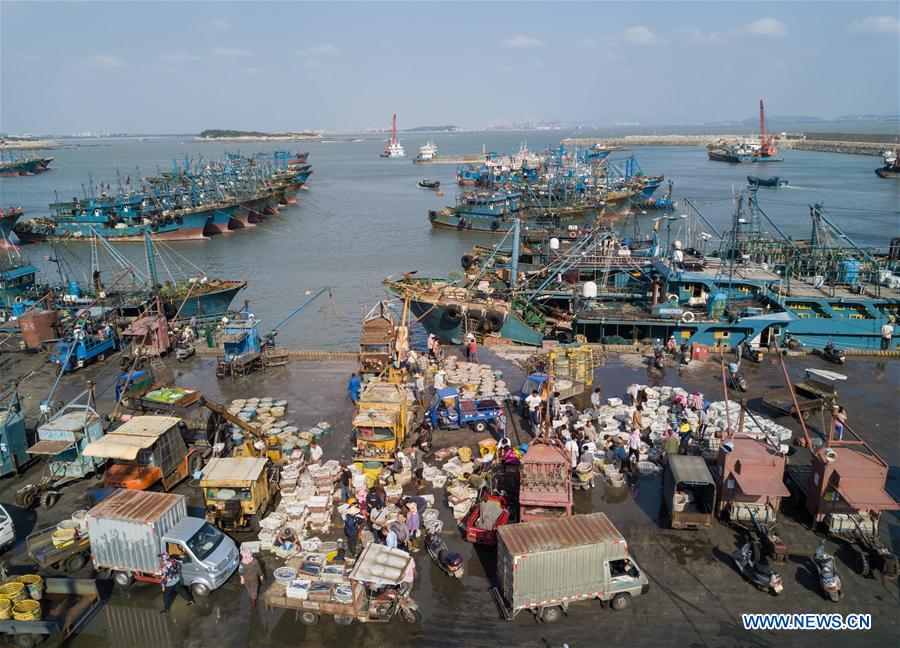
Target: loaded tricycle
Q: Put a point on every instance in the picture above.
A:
(67, 605)
(377, 591)
(450, 412)
(488, 514)
(68, 557)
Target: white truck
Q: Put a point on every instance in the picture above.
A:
(130, 529)
(544, 566)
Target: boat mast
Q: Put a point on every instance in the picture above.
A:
(514, 266)
(151, 259)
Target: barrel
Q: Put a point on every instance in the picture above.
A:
(849, 271)
(34, 584)
(15, 591)
(27, 611)
(372, 469)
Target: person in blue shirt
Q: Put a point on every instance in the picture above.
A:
(390, 538)
(353, 386)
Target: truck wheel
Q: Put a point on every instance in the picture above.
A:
(123, 579)
(620, 601)
(48, 499)
(200, 590)
(101, 357)
(26, 499)
(26, 640)
(309, 618)
(411, 616)
(862, 563)
(74, 563)
(551, 614)
(480, 427)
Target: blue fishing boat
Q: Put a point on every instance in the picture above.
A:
(773, 181)
(13, 165)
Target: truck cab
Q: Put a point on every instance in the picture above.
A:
(236, 491)
(208, 557)
(75, 352)
(146, 450)
(450, 412)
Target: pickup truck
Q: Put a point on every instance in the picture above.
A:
(450, 412)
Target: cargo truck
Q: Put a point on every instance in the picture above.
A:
(544, 566)
(129, 530)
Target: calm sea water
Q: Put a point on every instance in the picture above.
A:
(363, 217)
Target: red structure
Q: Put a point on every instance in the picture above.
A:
(767, 144)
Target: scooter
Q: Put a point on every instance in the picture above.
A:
(736, 378)
(184, 349)
(659, 355)
(763, 577)
(750, 352)
(791, 343)
(451, 563)
(829, 580)
(685, 353)
(834, 354)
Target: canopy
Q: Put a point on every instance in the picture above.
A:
(118, 446)
(50, 446)
(865, 494)
(147, 426)
(381, 565)
(825, 374)
(759, 485)
(449, 392)
(233, 469)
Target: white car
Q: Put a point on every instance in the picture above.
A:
(7, 528)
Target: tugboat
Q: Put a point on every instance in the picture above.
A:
(774, 181)
(393, 148)
(891, 168)
(749, 151)
(427, 183)
(426, 153)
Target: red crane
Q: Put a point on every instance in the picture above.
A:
(766, 144)
(394, 127)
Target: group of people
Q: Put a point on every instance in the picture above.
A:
(364, 511)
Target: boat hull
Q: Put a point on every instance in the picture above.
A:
(500, 224)
(218, 221)
(887, 173)
(209, 304)
(190, 228)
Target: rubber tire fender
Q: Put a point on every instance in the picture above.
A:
(453, 313)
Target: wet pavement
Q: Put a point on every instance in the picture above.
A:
(696, 595)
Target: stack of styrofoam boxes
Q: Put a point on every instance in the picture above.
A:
(460, 499)
(756, 426)
(268, 528)
(320, 508)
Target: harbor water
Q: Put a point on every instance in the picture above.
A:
(363, 217)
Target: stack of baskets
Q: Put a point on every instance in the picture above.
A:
(34, 584)
(27, 610)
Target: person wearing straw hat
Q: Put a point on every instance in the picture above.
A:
(352, 523)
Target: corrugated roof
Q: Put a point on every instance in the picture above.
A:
(561, 533)
(234, 469)
(865, 494)
(136, 506)
(376, 418)
(147, 426)
(381, 392)
(70, 421)
(758, 485)
(690, 468)
(50, 446)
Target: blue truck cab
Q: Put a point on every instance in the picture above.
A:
(450, 412)
(76, 353)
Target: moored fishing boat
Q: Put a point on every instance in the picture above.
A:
(773, 181)
(891, 168)
(427, 183)
(11, 165)
(8, 219)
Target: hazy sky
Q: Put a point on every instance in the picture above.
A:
(184, 67)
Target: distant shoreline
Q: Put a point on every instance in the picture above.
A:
(261, 138)
(29, 144)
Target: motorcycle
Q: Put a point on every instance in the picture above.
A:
(763, 577)
(750, 352)
(829, 580)
(834, 354)
(184, 349)
(685, 353)
(659, 355)
(736, 377)
(791, 343)
(449, 562)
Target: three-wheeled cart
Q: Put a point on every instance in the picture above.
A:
(68, 604)
(489, 513)
(379, 592)
(69, 558)
(815, 392)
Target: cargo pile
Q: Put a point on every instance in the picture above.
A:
(474, 380)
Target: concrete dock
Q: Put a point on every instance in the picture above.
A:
(696, 596)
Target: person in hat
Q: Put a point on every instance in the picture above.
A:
(251, 573)
(352, 524)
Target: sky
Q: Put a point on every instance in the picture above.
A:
(181, 67)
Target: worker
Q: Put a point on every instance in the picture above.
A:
(595, 399)
(390, 537)
(671, 345)
(285, 539)
(374, 503)
(439, 380)
(430, 344)
(633, 391)
(887, 333)
(436, 350)
(500, 425)
(413, 522)
(397, 467)
(634, 444)
(251, 573)
(684, 433)
(702, 422)
(421, 394)
(352, 521)
(315, 452)
(170, 581)
(620, 453)
(193, 326)
(398, 526)
(346, 481)
(555, 405)
(353, 386)
(418, 457)
(670, 443)
(637, 418)
(840, 420)
(572, 448)
(473, 352)
(533, 403)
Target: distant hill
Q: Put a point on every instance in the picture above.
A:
(449, 128)
(217, 133)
